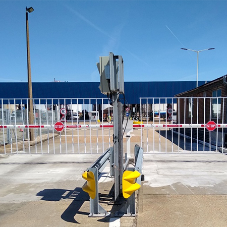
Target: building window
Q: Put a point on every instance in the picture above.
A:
(216, 104)
(190, 107)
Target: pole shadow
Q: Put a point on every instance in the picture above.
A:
(77, 195)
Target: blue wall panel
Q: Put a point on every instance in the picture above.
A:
(133, 90)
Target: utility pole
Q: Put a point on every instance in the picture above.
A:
(30, 100)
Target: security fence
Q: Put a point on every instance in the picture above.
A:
(171, 124)
(15, 128)
(174, 124)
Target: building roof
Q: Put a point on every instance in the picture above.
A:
(133, 90)
(203, 87)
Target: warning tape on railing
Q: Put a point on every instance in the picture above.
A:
(53, 126)
(211, 127)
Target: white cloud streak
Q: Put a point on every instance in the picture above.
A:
(88, 22)
(112, 40)
(175, 36)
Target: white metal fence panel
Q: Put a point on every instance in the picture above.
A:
(75, 114)
(190, 124)
(171, 124)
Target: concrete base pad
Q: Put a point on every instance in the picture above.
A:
(182, 210)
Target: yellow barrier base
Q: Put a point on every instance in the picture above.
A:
(137, 122)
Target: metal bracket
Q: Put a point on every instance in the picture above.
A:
(128, 207)
(96, 210)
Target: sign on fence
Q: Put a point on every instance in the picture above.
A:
(211, 126)
(59, 126)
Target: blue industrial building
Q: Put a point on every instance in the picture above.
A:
(133, 90)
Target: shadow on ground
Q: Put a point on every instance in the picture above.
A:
(183, 143)
(77, 195)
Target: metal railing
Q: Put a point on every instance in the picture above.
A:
(171, 124)
(14, 126)
(176, 124)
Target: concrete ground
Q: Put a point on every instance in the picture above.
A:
(45, 190)
(183, 190)
(179, 190)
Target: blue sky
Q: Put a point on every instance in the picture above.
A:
(67, 38)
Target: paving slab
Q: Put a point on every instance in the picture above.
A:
(183, 189)
(45, 190)
(180, 189)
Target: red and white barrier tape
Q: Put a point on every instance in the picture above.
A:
(53, 126)
(111, 126)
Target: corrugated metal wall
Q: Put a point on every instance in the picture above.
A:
(133, 90)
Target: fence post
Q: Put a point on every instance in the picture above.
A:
(7, 123)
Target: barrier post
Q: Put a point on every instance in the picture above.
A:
(116, 146)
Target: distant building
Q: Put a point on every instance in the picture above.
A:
(205, 103)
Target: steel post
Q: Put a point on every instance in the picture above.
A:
(94, 203)
(116, 148)
(120, 145)
(111, 162)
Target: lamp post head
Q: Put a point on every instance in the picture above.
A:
(30, 9)
(211, 48)
(184, 49)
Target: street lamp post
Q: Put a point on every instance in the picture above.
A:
(30, 104)
(197, 51)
